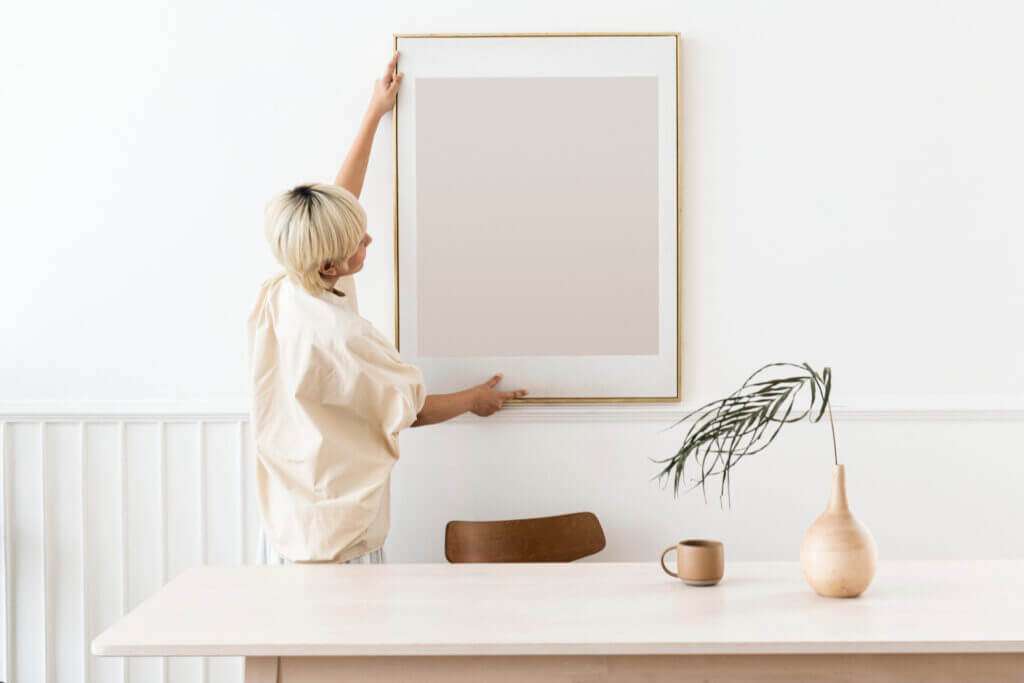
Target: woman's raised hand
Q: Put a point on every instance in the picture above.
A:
(488, 400)
(353, 168)
(385, 90)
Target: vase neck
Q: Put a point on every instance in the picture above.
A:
(837, 501)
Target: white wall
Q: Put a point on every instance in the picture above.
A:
(850, 185)
(849, 198)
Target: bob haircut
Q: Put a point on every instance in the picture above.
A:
(312, 225)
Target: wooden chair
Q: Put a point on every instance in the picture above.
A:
(562, 538)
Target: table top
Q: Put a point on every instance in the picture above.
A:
(578, 608)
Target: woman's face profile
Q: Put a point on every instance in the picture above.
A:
(355, 262)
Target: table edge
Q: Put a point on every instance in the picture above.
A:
(101, 649)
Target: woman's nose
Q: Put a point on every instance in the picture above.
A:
(369, 239)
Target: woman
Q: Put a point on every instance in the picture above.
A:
(329, 392)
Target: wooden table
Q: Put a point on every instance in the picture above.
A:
(584, 622)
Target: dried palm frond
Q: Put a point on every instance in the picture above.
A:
(746, 422)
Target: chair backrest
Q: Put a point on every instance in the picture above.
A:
(562, 538)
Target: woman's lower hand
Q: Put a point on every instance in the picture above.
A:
(487, 400)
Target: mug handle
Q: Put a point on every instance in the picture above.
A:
(667, 570)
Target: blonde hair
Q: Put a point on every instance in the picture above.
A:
(311, 225)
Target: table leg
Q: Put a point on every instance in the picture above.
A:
(262, 669)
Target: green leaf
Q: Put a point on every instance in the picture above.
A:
(744, 423)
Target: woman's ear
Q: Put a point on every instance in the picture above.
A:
(329, 270)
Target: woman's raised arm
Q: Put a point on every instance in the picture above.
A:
(353, 168)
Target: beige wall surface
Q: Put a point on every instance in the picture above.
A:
(537, 216)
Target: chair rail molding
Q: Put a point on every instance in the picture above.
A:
(965, 408)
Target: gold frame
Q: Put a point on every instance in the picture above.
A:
(679, 207)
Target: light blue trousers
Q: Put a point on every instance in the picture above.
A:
(269, 556)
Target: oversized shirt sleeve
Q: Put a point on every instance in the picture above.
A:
(370, 378)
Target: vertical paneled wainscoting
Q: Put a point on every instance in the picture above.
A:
(98, 514)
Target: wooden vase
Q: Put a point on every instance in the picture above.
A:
(838, 554)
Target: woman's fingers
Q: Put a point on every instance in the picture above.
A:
(390, 70)
(397, 81)
(496, 400)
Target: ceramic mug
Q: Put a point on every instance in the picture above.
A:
(698, 562)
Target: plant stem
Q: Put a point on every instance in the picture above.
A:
(835, 450)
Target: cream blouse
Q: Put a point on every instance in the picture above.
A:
(329, 396)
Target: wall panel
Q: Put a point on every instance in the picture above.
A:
(98, 514)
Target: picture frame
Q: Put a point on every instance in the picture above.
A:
(594, 376)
